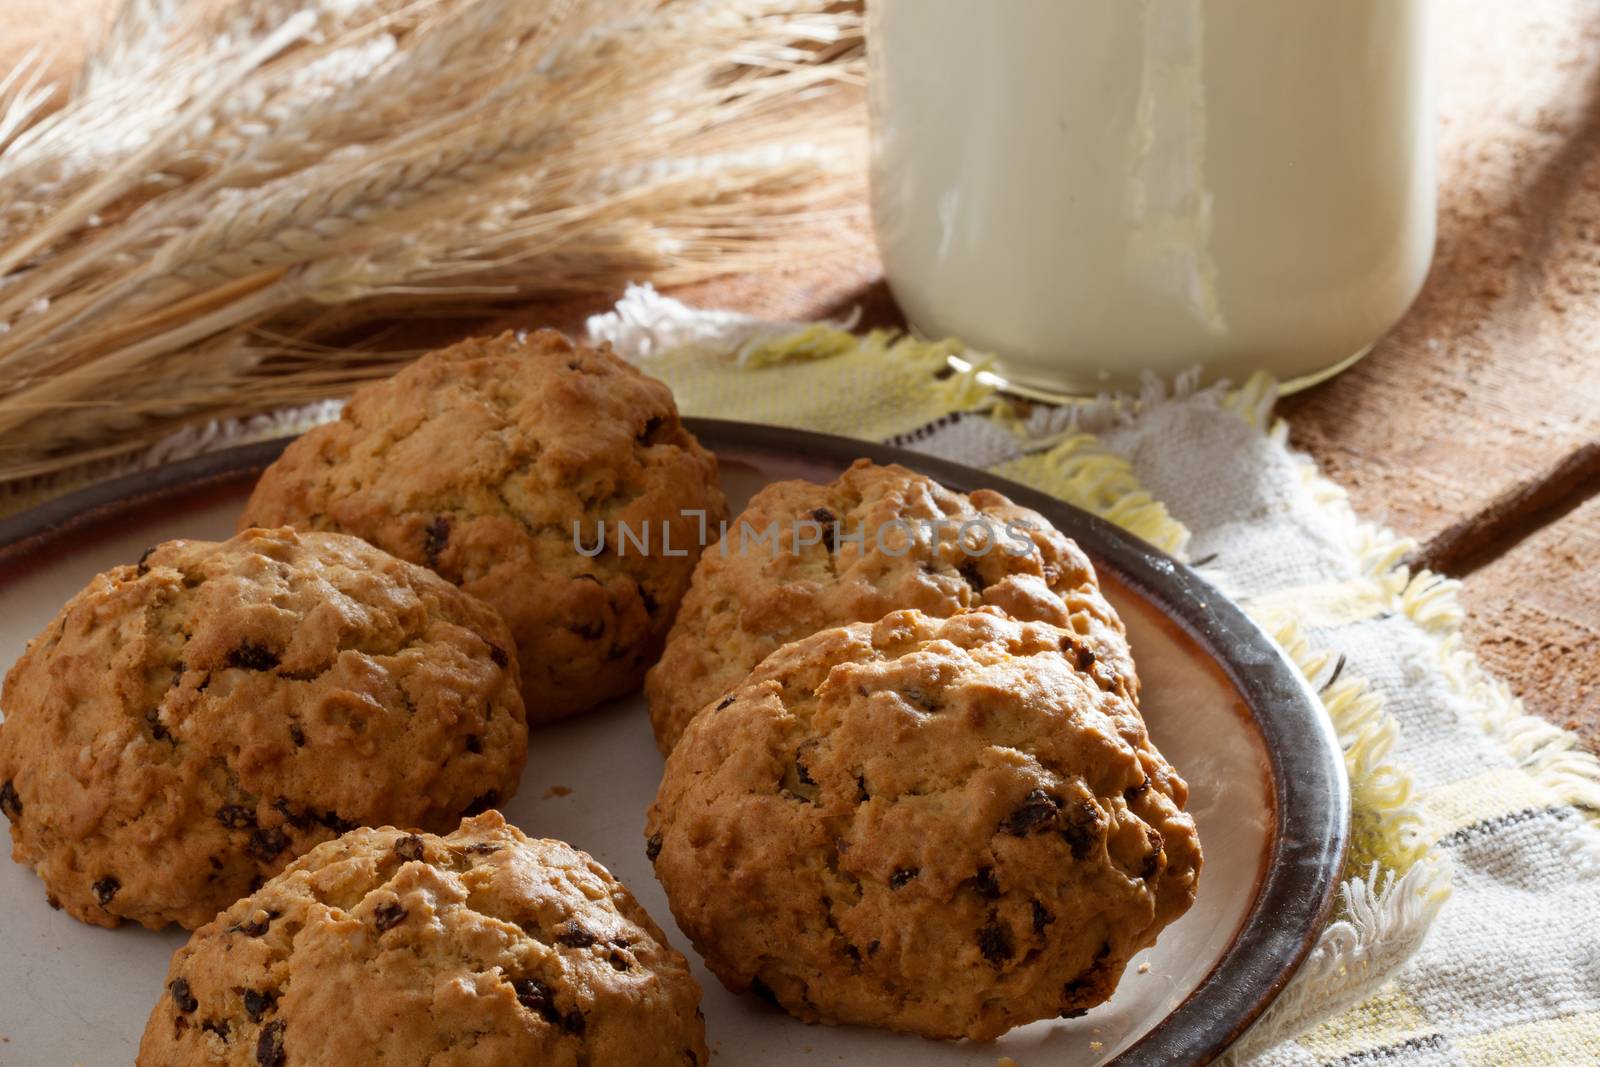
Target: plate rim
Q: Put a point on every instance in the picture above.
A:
(1309, 785)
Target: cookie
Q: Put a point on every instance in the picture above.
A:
(188, 725)
(946, 827)
(843, 552)
(499, 463)
(481, 947)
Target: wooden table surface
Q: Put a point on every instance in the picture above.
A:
(1474, 427)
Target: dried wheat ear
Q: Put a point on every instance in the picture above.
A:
(237, 197)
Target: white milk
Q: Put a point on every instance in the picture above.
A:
(1091, 189)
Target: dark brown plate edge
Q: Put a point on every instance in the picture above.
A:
(1311, 795)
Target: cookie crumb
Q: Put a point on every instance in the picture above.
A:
(557, 791)
(1144, 968)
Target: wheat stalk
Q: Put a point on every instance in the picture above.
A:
(225, 192)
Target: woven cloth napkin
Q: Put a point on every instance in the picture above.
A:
(1468, 924)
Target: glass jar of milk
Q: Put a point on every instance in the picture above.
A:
(1093, 189)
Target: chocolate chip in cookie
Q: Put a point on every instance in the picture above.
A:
(253, 657)
(269, 1046)
(10, 803)
(387, 916)
(434, 538)
(182, 998)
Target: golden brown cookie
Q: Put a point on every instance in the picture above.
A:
(479, 461)
(844, 555)
(187, 726)
(482, 947)
(938, 826)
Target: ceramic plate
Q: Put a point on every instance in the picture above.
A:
(1267, 789)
